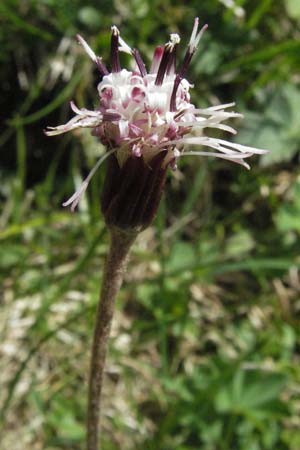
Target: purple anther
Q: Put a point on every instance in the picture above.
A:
(139, 61)
(114, 50)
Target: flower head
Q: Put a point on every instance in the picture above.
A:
(146, 116)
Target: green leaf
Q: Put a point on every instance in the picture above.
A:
(182, 256)
(239, 244)
(293, 8)
(90, 17)
(277, 127)
(12, 255)
(250, 390)
(287, 218)
(62, 418)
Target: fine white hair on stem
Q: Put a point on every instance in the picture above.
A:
(75, 198)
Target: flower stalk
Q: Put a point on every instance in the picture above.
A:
(145, 120)
(120, 244)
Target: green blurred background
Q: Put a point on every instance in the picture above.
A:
(205, 345)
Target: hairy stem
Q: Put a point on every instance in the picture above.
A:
(112, 279)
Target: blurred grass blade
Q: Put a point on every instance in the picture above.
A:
(57, 101)
(23, 24)
(40, 315)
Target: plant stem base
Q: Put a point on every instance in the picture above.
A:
(121, 242)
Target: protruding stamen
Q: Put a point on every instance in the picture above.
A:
(195, 38)
(174, 38)
(98, 61)
(114, 50)
(167, 58)
(158, 53)
(163, 65)
(171, 68)
(123, 47)
(101, 66)
(86, 47)
(177, 81)
(192, 47)
(139, 62)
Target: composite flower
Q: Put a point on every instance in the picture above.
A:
(147, 122)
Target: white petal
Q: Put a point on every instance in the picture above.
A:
(244, 148)
(237, 158)
(75, 198)
(75, 108)
(219, 144)
(217, 107)
(209, 123)
(85, 119)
